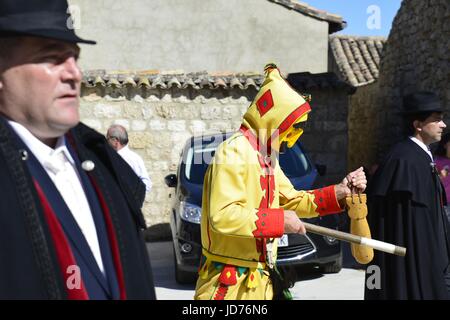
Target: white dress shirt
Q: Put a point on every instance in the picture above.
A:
(423, 146)
(60, 166)
(137, 164)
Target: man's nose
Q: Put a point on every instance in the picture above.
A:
(71, 71)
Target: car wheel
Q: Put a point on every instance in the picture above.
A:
(333, 267)
(181, 276)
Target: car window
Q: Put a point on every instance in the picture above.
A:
(198, 159)
(293, 162)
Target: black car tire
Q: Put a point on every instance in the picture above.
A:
(333, 267)
(183, 277)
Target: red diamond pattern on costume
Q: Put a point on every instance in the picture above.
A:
(228, 275)
(265, 103)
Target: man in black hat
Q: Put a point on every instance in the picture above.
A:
(70, 206)
(406, 208)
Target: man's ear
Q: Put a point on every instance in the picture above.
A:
(417, 125)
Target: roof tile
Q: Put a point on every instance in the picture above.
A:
(357, 57)
(335, 21)
(196, 81)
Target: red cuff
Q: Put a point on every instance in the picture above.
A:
(325, 199)
(270, 223)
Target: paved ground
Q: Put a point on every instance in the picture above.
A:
(345, 285)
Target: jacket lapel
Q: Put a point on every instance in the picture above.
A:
(102, 233)
(65, 217)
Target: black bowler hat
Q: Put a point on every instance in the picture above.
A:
(42, 18)
(421, 102)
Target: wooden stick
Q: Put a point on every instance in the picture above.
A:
(348, 237)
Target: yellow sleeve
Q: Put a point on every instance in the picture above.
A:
(230, 197)
(307, 204)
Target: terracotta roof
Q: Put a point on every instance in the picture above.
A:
(357, 57)
(336, 22)
(171, 79)
(198, 80)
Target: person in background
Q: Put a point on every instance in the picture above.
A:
(405, 203)
(248, 202)
(117, 137)
(70, 210)
(442, 159)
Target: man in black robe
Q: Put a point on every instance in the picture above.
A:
(70, 218)
(406, 208)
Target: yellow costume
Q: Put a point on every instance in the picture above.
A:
(244, 195)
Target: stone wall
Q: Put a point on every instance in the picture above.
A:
(416, 57)
(161, 120)
(197, 35)
(326, 137)
(361, 127)
(159, 123)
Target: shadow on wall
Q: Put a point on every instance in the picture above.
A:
(158, 232)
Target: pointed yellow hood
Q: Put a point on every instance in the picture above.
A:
(275, 108)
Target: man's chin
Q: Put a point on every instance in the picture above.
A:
(60, 128)
(66, 118)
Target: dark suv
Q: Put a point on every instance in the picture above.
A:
(293, 249)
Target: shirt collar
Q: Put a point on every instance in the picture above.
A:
(423, 146)
(40, 150)
(124, 149)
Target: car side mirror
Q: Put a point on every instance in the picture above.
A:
(171, 180)
(321, 169)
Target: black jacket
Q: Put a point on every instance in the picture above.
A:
(28, 263)
(405, 208)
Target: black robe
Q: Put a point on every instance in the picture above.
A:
(29, 267)
(406, 208)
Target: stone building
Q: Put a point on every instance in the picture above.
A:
(197, 35)
(222, 46)
(415, 57)
(162, 110)
(356, 60)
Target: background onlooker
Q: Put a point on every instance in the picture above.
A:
(442, 159)
(117, 137)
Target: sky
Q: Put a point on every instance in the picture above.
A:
(364, 17)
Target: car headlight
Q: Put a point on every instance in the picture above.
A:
(190, 212)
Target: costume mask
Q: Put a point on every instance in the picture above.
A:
(290, 136)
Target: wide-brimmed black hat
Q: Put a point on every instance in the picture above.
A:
(42, 18)
(421, 102)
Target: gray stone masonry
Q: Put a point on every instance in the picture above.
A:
(416, 57)
(160, 121)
